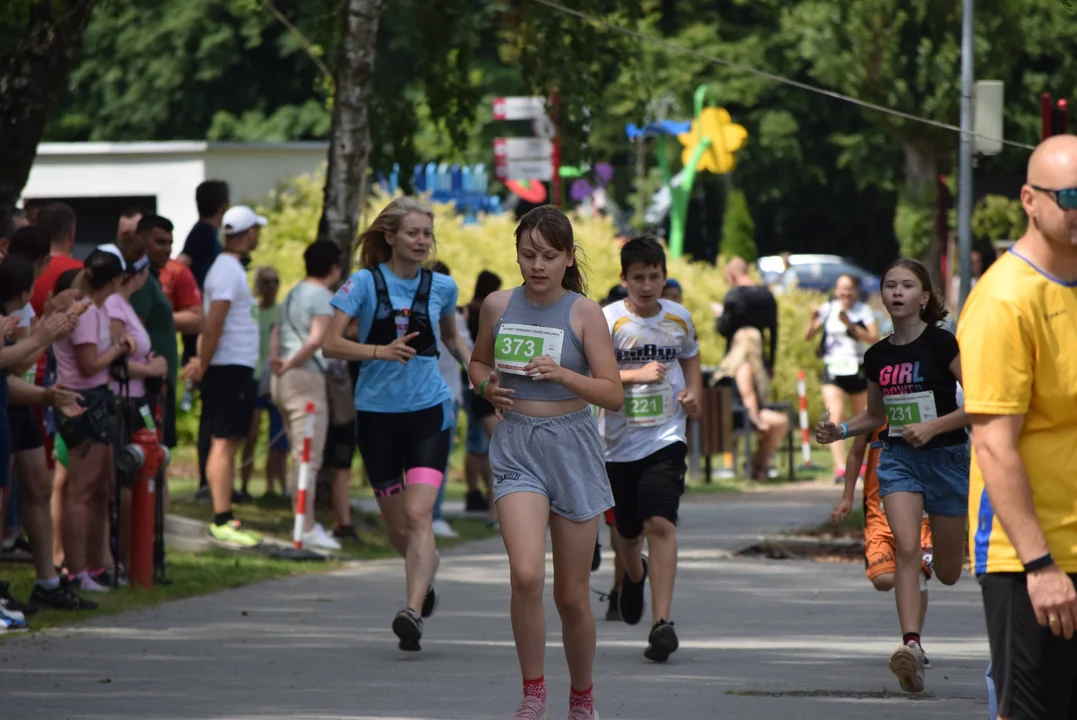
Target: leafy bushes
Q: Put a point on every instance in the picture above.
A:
(468, 249)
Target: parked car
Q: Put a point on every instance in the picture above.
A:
(817, 272)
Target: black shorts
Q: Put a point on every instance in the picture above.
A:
(647, 488)
(479, 407)
(339, 447)
(228, 395)
(851, 384)
(25, 429)
(393, 443)
(1035, 672)
(97, 423)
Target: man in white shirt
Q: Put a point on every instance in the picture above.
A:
(227, 356)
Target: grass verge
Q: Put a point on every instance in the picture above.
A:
(273, 516)
(190, 575)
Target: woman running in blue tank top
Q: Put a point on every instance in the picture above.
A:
(543, 353)
(404, 411)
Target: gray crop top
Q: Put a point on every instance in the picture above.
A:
(526, 331)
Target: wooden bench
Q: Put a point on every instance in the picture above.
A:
(712, 434)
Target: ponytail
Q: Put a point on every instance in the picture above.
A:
(574, 278)
(935, 311)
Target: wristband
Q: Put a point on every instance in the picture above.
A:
(1039, 563)
(482, 389)
(844, 430)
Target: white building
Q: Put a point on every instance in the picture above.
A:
(101, 180)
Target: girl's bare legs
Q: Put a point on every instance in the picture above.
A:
(524, 517)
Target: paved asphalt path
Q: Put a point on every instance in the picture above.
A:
(759, 639)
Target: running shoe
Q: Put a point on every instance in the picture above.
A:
(927, 565)
(242, 497)
(346, 532)
(443, 529)
(233, 534)
(203, 495)
(17, 549)
(104, 577)
(58, 598)
(907, 663)
(596, 561)
(578, 713)
(317, 537)
(475, 501)
(613, 612)
(662, 642)
(12, 620)
(531, 709)
(632, 600)
(430, 603)
(8, 602)
(85, 582)
(408, 626)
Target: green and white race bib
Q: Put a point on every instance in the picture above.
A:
(648, 405)
(842, 366)
(517, 345)
(908, 409)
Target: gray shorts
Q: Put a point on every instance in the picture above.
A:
(560, 457)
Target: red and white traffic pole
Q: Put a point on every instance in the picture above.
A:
(304, 480)
(805, 444)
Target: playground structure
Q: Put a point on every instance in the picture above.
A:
(463, 186)
(709, 142)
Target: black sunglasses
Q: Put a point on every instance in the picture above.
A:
(1065, 198)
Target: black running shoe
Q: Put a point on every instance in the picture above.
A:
(632, 600)
(613, 612)
(662, 642)
(475, 501)
(59, 598)
(346, 532)
(9, 602)
(596, 561)
(408, 626)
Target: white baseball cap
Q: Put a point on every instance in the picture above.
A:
(240, 218)
(112, 249)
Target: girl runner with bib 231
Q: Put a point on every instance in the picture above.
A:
(912, 385)
(543, 353)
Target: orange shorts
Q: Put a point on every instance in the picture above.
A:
(610, 517)
(879, 547)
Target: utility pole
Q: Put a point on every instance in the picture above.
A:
(964, 179)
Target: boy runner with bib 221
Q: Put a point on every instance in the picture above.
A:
(658, 355)
(912, 386)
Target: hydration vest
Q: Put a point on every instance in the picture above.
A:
(383, 329)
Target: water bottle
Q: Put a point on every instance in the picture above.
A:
(188, 397)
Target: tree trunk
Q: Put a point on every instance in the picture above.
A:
(349, 143)
(921, 222)
(30, 79)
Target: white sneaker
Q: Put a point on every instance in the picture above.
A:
(12, 620)
(317, 537)
(907, 663)
(443, 529)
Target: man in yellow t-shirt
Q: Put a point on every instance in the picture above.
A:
(1018, 338)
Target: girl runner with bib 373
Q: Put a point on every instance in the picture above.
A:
(912, 385)
(403, 406)
(543, 353)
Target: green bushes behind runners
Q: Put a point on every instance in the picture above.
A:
(467, 249)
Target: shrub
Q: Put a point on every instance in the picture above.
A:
(468, 249)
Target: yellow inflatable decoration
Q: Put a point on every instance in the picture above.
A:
(725, 138)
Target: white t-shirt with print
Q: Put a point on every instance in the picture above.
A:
(25, 315)
(651, 418)
(842, 354)
(227, 280)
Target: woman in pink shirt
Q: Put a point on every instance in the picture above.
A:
(145, 375)
(82, 362)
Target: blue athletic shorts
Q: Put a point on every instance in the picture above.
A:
(940, 474)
